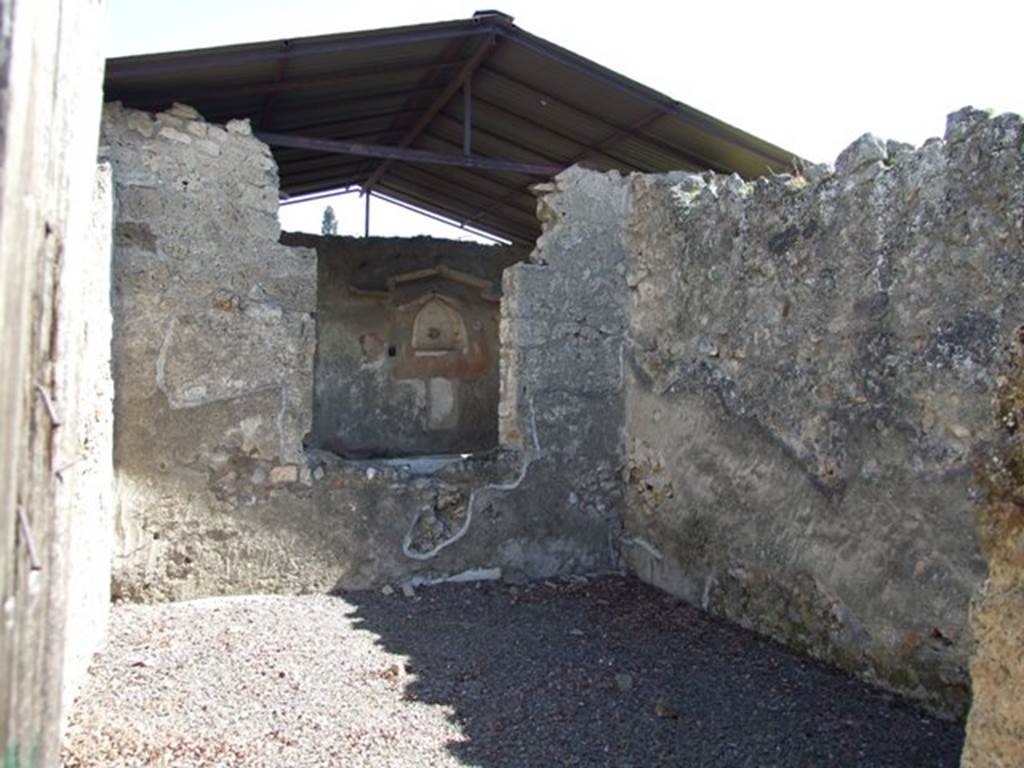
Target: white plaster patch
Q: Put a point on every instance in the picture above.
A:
(441, 412)
(249, 428)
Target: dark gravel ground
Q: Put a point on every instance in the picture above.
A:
(606, 672)
(532, 672)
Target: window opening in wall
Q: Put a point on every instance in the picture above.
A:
(408, 346)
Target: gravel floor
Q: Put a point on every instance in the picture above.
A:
(601, 673)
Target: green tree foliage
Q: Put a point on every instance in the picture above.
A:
(329, 226)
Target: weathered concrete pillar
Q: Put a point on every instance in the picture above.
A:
(85, 444)
(50, 98)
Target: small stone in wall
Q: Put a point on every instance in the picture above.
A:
(184, 111)
(286, 473)
(174, 135)
(208, 147)
(141, 122)
(242, 127)
(167, 119)
(864, 151)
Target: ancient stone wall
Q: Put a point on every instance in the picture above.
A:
(213, 347)
(563, 336)
(214, 372)
(813, 363)
(375, 392)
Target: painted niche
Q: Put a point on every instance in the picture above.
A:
(443, 324)
(438, 328)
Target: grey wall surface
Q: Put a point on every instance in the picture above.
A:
(814, 360)
(374, 395)
(563, 337)
(213, 346)
(52, 361)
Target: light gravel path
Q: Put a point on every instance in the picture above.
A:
(603, 673)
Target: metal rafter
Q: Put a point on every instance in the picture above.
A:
(403, 153)
(402, 189)
(617, 161)
(283, 154)
(667, 106)
(279, 69)
(606, 142)
(474, 177)
(484, 133)
(503, 200)
(317, 109)
(690, 157)
(438, 104)
(333, 126)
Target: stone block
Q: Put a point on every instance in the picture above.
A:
(241, 127)
(184, 111)
(175, 135)
(286, 473)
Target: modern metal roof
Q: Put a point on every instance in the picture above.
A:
(458, 118)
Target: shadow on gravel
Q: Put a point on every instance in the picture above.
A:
(613, 673)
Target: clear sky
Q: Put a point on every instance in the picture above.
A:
(808, 76)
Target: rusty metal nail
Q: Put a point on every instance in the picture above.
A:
(30, 544)
(54, 418)
(60, 470)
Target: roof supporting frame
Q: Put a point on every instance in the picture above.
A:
(606, 142)
(659, 102)
(419, 197)
(279, 69)
(692, 158)
(392, 153)
(381, 110)
(457, 82)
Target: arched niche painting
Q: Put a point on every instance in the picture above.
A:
(443, 325)
(438, 328)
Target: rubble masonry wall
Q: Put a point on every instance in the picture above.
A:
(812, 371)
(213, 353)
(214, 347)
